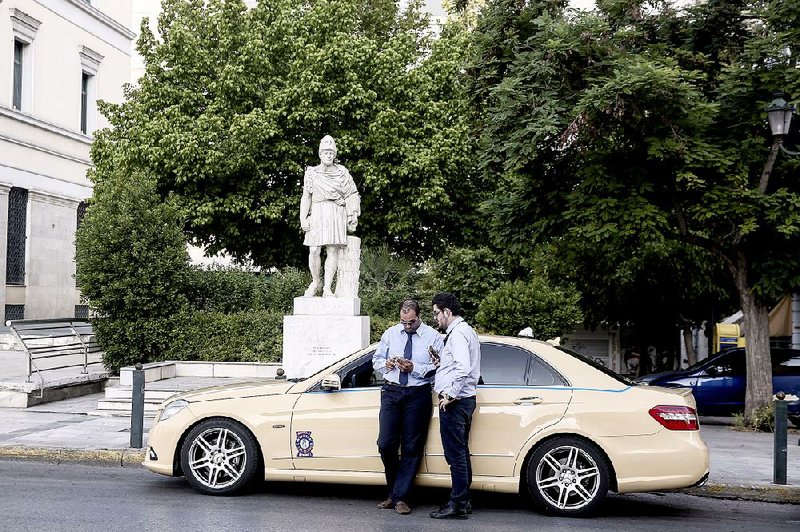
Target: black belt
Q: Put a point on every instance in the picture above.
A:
(390, 383)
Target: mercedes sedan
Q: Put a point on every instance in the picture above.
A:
(550, 424)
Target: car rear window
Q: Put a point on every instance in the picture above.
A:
(598, 366)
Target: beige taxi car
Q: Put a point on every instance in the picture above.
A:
(549, 423)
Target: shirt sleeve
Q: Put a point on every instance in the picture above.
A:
(459, 346)
(379, 357)
(421, 371)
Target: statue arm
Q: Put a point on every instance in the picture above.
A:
(305, 201)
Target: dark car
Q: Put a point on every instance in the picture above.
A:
(718, 382)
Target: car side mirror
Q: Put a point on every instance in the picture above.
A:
(331, 382)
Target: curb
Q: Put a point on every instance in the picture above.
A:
(119, 458)
(763, 493)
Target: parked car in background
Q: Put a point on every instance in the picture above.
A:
(549, 423)
(718, 382)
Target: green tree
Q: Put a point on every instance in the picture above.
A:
(639, 126)
(132, 266)
(468, 273)
(234, 102)
(549, 310)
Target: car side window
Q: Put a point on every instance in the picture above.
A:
(541, 374)
(514, 366)
(730, 364)
(503, 364)
(360, 374)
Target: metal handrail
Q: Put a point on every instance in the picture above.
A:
(30, 330)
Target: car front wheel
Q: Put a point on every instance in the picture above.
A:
(567, 476)
(219, 456)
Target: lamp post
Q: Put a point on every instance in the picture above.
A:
(779, 115)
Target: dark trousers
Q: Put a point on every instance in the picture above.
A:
(404, 420)
(454, 425)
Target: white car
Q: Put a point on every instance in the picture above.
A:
(549, 423)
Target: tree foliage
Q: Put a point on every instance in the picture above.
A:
(234, 102)
(638, 128)
(549, 310)
(132, 267)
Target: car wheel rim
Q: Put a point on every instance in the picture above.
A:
(217, 458)
(568, 478)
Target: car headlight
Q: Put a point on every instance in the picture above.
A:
(173, 408)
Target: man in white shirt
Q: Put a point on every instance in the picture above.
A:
(456, 385)
(403, 358)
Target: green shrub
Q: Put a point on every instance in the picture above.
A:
(278, 292)
(762, 420)
(470, 274)
(132, 267)
(378, 325)
(550, 310)
(224, 289)
(245, 336)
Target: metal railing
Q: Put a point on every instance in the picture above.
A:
(56, 344)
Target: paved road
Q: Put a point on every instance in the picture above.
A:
(42, 496)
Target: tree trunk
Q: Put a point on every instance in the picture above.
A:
(756, 329)
(688, 344)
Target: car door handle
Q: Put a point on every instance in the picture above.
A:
(528, 401)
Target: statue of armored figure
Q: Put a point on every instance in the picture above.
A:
(329, 209)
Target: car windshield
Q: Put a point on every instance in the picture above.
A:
(599, 367)
(700, 363)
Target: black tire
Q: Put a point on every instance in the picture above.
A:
(567, 476)
(219, 456)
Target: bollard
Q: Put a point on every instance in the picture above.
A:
(781, 439)
(137, 407)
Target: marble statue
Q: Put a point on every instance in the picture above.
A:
(329, 209)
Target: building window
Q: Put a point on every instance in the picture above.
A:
(18, 53)
(80, 213)
(17, 225)
(84, 100)
(90, 65)
(82, 312)
(15, 312)
(23, 29)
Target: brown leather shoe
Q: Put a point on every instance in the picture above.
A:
(402, 508)
(386, 505)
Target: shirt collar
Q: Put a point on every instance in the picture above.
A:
(455, 322)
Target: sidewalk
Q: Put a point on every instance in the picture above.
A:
(73, 430)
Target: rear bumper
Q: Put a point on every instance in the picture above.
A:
(665, 460)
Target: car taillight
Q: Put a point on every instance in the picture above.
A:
(676, 417)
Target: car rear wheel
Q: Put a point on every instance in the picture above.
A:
(219, 456)
(567, 476)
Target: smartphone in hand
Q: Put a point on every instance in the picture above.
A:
(434, 354)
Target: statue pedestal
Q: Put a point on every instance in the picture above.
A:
(322, 331)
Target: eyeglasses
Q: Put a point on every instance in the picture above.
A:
(437, 312)
(409, 322)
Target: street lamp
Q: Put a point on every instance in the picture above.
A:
(779, 114)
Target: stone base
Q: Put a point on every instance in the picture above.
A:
(327, 306)
(311, 343)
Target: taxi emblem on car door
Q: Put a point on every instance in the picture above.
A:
(304, 443)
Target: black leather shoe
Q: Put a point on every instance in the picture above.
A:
(468, 507)
(449, 511)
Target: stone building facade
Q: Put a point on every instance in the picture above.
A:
(57, 58)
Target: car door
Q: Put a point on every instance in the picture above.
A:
(721, 384)
(338, 430)
(519, 395)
